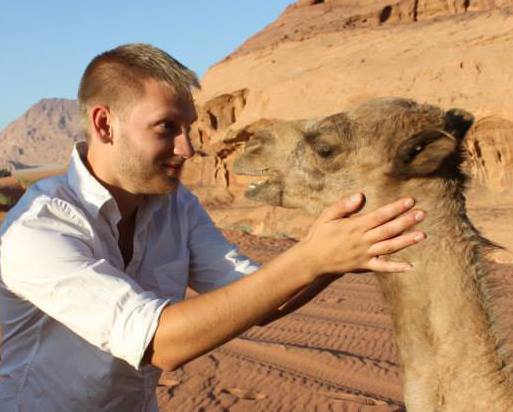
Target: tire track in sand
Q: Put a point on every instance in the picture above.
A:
(357, 317)
(373, 343)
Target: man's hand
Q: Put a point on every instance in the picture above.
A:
(338, 242)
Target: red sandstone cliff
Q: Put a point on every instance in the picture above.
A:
(319, 58)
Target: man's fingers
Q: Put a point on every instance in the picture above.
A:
(395, 227)
(386, 213)
(342, 208)
(397, 243)
(380, 265)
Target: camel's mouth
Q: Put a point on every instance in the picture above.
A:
(255, 186)
(265, 174)
(259, 185)
(266, 191)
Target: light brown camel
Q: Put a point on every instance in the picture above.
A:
(450, 348)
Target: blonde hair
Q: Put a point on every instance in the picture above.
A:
(115, 78)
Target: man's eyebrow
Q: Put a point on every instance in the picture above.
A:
(163, 119)
(172, 117)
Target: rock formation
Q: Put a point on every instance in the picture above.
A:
(309, 18)
(490, 149)
(320, 57)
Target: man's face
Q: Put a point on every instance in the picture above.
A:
(152, 141)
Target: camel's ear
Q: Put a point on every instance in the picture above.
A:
(423, 153)
(458, 122)
(426, 152)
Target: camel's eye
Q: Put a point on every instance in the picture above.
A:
(414, 151)
(320, 146)
(323, 149)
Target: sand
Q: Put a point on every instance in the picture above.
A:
(337, 353)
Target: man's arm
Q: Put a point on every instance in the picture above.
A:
(301, 298)
(192, 327)
(334, 244)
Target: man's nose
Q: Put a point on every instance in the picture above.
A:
(183, 146)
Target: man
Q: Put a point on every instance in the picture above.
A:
(94, 264)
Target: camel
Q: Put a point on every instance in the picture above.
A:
(449, 343)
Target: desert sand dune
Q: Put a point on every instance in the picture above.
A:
(335, 354)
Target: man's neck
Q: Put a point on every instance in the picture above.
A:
(127, 202)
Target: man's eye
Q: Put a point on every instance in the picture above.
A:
(168, 127)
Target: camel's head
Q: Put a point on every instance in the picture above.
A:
(379, 148)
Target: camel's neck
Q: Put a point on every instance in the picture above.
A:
(441, 309)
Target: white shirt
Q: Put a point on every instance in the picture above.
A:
(75, 321)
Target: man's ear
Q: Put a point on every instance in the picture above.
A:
(101, 123)
(423, 153)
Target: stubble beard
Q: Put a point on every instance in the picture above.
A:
(143, 176)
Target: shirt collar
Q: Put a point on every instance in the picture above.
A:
(91, 193)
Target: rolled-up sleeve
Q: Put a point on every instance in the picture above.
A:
(214, 261)
(48, 260)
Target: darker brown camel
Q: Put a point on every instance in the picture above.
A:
(448, 339)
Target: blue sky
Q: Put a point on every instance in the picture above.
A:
(45, 45)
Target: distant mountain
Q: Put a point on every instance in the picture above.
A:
(43, 135)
